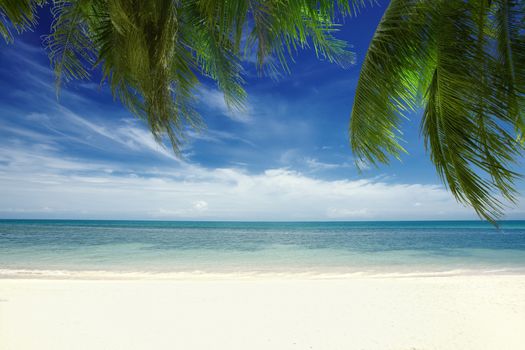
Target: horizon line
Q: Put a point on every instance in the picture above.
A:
(261, 221)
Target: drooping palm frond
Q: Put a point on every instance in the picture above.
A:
(508, 27)
(70, 47)
(216, 50)
(441, 54)
(152, 53)
(462, 122)
(145, 63)
(389, 81)
(280, 28)
(18, 14)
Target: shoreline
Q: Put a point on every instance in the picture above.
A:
(96, 275)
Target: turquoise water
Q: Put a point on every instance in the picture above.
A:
(318, 247)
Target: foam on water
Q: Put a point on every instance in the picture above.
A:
(142, 249)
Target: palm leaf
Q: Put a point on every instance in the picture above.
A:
(445, 48)
(70, 47)
(151, 52)
(388, 83)
(17, 14)
(281, 28)
(509, 30)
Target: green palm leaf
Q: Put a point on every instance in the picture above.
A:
(152, 53)
(17, 14)
(70, 47)
(440, 54)
(508, 27)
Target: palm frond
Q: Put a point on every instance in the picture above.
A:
(216, 53)
(136, 45)
(463, 138)
(446, 47)
(17, 14)
(151, 52)
(509, 28)
(280, 29)
(71, 50)
(389, 82)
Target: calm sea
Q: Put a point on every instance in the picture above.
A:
(69, 247)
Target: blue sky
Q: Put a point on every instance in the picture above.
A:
(285, 158)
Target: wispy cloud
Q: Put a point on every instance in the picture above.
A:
(317, 165)
(217, 136)
(214, 101)
(62, 124)
(33, 179)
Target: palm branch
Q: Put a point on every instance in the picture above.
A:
(154, 53)
(463, 63)
(19, 15)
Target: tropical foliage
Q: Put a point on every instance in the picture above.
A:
(153, 53)
(463, 64)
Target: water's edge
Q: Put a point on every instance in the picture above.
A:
(142, 249)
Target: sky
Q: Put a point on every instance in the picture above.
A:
(286, 157)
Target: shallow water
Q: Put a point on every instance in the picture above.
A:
(261, 247)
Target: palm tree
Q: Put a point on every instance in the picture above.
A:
(462, 64)
(153, 53)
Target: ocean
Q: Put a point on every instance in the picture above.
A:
(69, 248)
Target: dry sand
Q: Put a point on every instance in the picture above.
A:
(280, 312)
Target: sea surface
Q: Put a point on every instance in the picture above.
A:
(68, 248)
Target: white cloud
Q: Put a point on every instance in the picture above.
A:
(289, 156)
(126, 134)
(316, 165)
(63, 124)
(214, 100)
(194, 211)
(32, 179)
(342, 213)
(217, 136)
(200, 205)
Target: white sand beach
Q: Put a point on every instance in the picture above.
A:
(279, 312)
